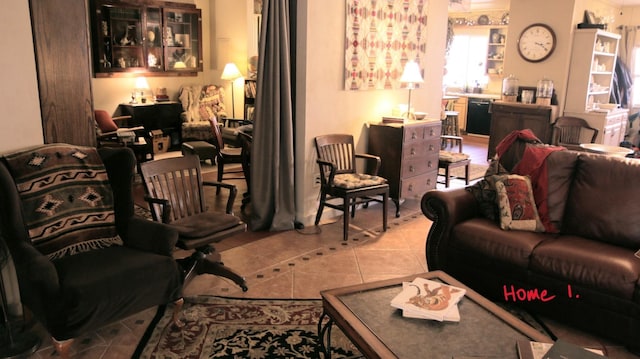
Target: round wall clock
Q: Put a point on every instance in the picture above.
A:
(536, 42)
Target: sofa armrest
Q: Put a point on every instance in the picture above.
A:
(151, 236)
(445, 208)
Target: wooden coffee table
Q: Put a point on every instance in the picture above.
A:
(363, 312)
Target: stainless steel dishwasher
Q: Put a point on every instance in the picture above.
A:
(478, 116)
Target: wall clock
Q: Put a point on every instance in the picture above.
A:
(536, 42)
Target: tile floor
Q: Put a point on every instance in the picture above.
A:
(298, 264)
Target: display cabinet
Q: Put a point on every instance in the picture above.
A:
(592, 68)
(154, 38)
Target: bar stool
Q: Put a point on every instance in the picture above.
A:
(450, 128)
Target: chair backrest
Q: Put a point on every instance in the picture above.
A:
(217, 135)
(339, 150)
(572, 131)
(177, 180)
(104, 121)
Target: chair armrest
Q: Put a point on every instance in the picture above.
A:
(36, 272)
(324, 179)
(235, 122)
(446, 208)
(370, 157)
(151, 236)
(233, 192)
(166, 208)
(121, 118)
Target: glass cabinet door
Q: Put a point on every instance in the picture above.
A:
(121, 35)
(153, 40)
(182, 45)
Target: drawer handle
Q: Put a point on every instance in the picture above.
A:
(413, 151)
(429, 182)
(431, 132)
(429, 164)
(431, 147)
(411, 169)
(410, 188)
(414, 136)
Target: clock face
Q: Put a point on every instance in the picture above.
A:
(536, 42)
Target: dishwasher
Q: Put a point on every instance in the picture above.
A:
(478, 116)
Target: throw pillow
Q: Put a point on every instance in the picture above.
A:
(516, 204)
(484, 191)
(67, 201)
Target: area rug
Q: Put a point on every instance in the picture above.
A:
(475, 171)
(219, 327)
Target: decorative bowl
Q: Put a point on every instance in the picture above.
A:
(420, 115)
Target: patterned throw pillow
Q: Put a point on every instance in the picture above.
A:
(516, 204)
(66, 197)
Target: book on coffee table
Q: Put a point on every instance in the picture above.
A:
(427, 299)
(561, 349)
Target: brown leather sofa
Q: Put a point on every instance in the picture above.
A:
(585, 275)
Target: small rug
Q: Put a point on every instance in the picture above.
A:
(475, 171)
(219, 327)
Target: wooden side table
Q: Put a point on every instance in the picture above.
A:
(163, 116)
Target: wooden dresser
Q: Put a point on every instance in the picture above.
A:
(409, 154)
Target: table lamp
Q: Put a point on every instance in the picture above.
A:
(411, 76)
(141, 86)
(231, 73)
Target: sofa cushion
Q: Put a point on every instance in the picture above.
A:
(603, 200)
(589, 263)
(483, 237)
(560, 167)
(516, 204)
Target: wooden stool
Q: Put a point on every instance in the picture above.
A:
(450, 127)
(203, 149)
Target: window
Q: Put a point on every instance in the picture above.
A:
(466, 62)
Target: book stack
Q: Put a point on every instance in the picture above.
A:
(558, 350)
(427, 299)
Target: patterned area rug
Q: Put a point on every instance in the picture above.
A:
(217, 327)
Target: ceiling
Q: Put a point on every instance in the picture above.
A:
(478, 5)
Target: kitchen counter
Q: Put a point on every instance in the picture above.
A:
(492, 96)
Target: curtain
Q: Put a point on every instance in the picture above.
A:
(272, 157)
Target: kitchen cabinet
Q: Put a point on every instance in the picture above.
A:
(460, 106)
(496, 50)
(611, 125)
(409, 156)
(150, 38)
(509, 116)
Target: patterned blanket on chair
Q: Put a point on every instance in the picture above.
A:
(66, 197)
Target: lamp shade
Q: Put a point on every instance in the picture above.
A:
(141, 83)
(230, 72)
(411, 73)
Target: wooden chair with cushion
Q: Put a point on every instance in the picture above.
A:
(340, 180)
(570, 132)
(82, 258)
(175, 192)
(449, 160)
(225, 155)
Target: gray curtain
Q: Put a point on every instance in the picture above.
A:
(272, 157)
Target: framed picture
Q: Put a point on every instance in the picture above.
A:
(589, 17)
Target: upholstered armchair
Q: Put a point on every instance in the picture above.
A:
(82, 258)
(200, 103)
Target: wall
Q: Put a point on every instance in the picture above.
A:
(21, 123)
(223, 40)
(324, 106)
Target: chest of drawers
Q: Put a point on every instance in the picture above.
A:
(409, 155)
